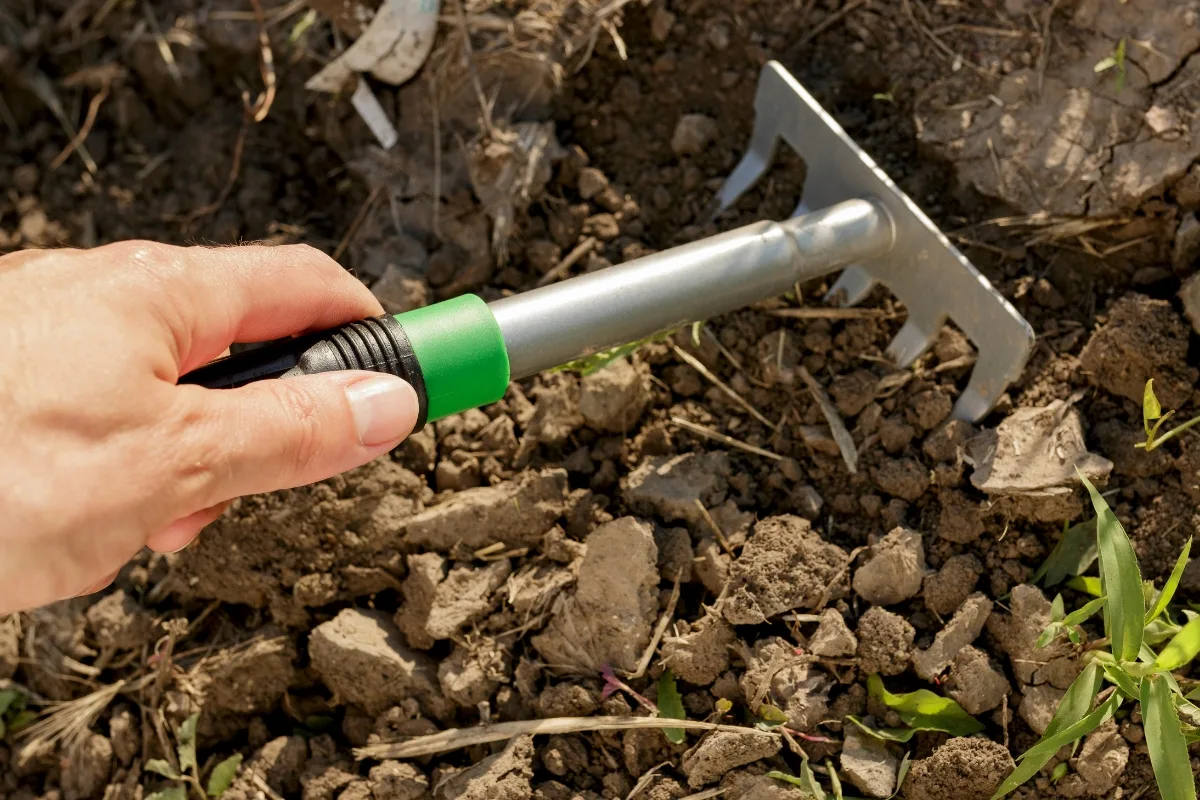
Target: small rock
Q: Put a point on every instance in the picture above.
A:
(125, 736)
(807, 502)
(661, 22)
(949, 441)
(566, 700)
(975, 683)
(783, 566)
(466, 595)
(471, 675)
(905, 478)
(833, 639)
(670, 486)
(693, 134)
(700, 655)
(504, 776)
(425, 572)
(1044, 294)
(1038, 706)
(929, 408)
(961, 769)
(723, 751)
(819, 439)
(86, 773)
(591, 182)
(884, 642)
(868, 763)
(1161, 119)
(542, 255)
(25, 178)
(397, 780)
(607, 619)
(946, 590)
(613, 399)
(963, 628)
(894, 571)
(603, 226)
(360, 657)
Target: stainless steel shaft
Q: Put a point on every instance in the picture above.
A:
(550, 326)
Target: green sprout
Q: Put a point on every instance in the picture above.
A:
(1115, 60)
(13, 714)
(1136, 620)
(186, 770)
(921, 710)
(1153, 418)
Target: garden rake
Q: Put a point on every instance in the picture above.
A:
(462, 353)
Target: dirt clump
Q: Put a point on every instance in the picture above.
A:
(1017, 633)
(723, 751)
(960, 631)
(946, 589)
(975, 682)
(833, 638)
(473, 672)
(1038, 704)
(361, 658)
(86, 773)
(895, 570)
(247, 678)
(1029, 462)
(669, 486)
(118, 622)
(1142, 339)
(962, 768)
(425, 573)
(775, 674)
(693, 134)
(884, 642)
(699, 653)
(397, 780)
(607, 618)
(503, 776)
(904, 478)
(1099, 765)
(280, 762)
(784, 566)
(517, 512)
(613, 399)
(868, 763)
(466, 595)
(960, 519)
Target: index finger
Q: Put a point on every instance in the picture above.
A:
(212, 297)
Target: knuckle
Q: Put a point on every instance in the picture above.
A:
(203, 458)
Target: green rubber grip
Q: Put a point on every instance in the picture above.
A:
(461, 352)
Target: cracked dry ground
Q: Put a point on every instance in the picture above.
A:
(499, 563)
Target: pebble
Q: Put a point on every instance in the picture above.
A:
(693, 134)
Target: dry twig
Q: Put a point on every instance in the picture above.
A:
(458, 738)
(845, 441)
(709, 433)
(573, 258)
(659, 630)
(259, 109)
(698, 365)
(81, 136)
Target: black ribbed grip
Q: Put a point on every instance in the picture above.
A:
(376, 345)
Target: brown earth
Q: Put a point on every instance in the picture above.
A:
(498, 563)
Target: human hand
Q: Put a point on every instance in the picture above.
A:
(101, 453)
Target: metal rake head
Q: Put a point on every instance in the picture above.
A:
(933, 280)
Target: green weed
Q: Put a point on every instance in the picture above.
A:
(186, 770)
(921, 710)
(1153, 419)
(1115, 60)
(13, 714)
(1136, 620)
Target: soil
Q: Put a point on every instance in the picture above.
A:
(497, 565)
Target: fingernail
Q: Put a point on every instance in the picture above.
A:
(384, 409)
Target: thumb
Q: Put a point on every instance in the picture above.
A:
(279, 434)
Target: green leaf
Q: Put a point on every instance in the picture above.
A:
(1073, 555)
(1181, 649)
(898, 735)
(1164, 597)
(1121, 580)
(770, 717)
(1048, 635)
(1108, 62)
(724, 706)
(1082, 615)
(1087, 585)
(1123, 681)
(670, 705)
(21, 720)
(805, 780)
(185, 743)
(1060, 772)
(835, 783)
(902, 773)
(172, 793)
(1057, 609)
(925, 710)
(1151, 408)
(7, 698)
(162, 767)
(223, 774)
(1077, 702)
(1033, 759)
(1161, 631)
(1164, 738)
